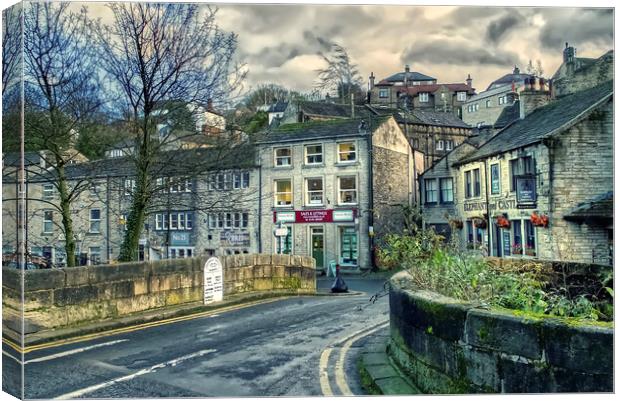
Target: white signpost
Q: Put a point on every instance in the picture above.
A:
(213, 281)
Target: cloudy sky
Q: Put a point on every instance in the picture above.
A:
(281, 43)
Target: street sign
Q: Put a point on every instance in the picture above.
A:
(213, 281)
(281, 232)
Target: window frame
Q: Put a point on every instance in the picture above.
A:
(384, 93)
(47, 191)
(439, 145)
(276, 193)
(424, 97)
(432, 191)
(442, 190)
(314, 155)
(461, 96)
(340, 153)
(276, 157)
(307, 191)
(340, 190)
(48, 221)
(92, 221)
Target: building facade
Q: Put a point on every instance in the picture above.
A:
(536, 189)
(323, 201)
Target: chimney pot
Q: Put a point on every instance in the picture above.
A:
(407, 68)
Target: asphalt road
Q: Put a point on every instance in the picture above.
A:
(299, 346)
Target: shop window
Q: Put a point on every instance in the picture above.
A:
(348, 246)
(530, 238)
(314, 191)
(346, 152)
(314, 154)
(517, 238)
(284, 245)
(347, 190)
(446, 190)
(430, 189)
(283, 193)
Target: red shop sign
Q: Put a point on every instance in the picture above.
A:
(314, 216)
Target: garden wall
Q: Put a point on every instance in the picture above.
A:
(56, 298)
(447, 346)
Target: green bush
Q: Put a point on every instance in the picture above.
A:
(470, 277)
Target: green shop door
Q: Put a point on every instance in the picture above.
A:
(318, 251)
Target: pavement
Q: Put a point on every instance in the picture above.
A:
(290, 346)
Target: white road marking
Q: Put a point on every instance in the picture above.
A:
(11, 356)
(323, 375)
(339, 373)
(173, 362)
(341, 380)
(73, 351)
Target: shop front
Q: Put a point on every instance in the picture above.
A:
(325, 234)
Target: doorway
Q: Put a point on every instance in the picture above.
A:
(318, 246)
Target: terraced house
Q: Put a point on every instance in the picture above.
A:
(335, 187)
(540, 188)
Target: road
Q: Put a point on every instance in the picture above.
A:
(298, 346)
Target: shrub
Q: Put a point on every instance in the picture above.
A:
(470, 277)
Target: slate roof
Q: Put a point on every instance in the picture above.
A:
(331, 109)
(508, 115)
(411, 76)
(299, 132)
(432, 88)
(422, 116)
(601, 207)
(543, 122)
(509, 79)
(13, 158)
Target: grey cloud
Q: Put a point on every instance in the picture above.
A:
(445, 52)
(502, 26)
(467, 14)
(578, 27)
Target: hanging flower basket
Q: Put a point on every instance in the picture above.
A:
(456, 223)
(502, 222)
(480, 223)
(539, 220)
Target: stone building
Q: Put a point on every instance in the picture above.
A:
(211, 212)
(540, 188)
(578, 73)
(492, 107)
(322, 196)
(414, 90)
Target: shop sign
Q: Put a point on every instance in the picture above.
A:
(315, 216)
(179, 238)
(498, 205)
(234, 238)
(213, 283)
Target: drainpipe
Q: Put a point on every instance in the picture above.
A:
(107, 217)
(371, 193)
(486, 193)
(260, 207)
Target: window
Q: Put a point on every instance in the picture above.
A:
(130, 186)
(502, 100)
(123, 220)
(95, 221)
(495, 179)
(476, 106)
(439, 144)
(346, 152)
(347, 190)
(244, 220)
(283, 157)
(285, 244)
(212, 220)
(383, 93)
(430, 188)
(220, 220)
(423, 97)
(48, 191)
(314, 154)
(530, 238)
(470, 109)
(220, 181)
(449, 144)
(228, 222)
(159, 221)
(461, 96)
(236, 180)
(180, 252)
(181, 184)
(523, 166)
(446, 190)
(314, 191)
(174, 220)
(468, 184)
(488, 103)
(284, 193)
(245, 179)
(476, 182)
(94, 253)
(48, 222)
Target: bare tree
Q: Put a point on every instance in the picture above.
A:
(157, 53)
(11, 46)
(61, 93)
(341, 75)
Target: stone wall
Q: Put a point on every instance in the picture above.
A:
(450, 347)
(390, 189)
(57, 298)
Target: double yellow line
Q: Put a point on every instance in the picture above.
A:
(128, 329)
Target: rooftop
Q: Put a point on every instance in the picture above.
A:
(543, 122)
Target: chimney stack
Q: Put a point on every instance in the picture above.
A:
(407, 68)
(371, 81)
(469, 80)
(352, 105)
